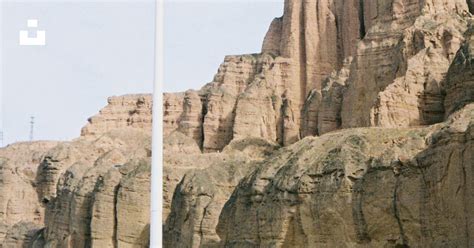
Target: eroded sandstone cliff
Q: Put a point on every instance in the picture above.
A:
(384, 89)
(360, 188)
(352, 128)
(89, 192)
(327, 65)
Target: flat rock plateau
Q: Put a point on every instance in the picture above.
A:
(353, 127)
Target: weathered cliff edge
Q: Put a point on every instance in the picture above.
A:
(327, 65)
(364, 187)
(352, 128)
(381, 90)
(89, 192)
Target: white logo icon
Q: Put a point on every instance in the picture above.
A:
(38, 40)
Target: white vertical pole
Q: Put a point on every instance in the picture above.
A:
(1, 76)
(156, 225)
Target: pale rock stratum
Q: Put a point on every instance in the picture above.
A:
(327, 65)
(352, 128)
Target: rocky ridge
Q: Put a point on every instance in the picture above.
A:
(382, 92)
(352, 128)
(89, 192)
(327, 65)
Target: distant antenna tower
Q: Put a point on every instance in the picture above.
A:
(32, 128)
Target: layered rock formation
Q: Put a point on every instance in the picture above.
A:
(89, 192)
(200, 195)
(21, 213)
(128, 111)
(360, 188)
(459, 84)
(399, 70)
(327, 65)
(352, 128)
(94, 203)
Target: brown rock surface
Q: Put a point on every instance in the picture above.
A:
(387, 84)
(460, 80)
(81, 203)
(360, 188)
(122, 111)
(91, 191)
(19, 205)
(368, 187)
(200, 196)
(401, 51)
(173, 106)
(292, 66)
(403, 66)
(325, 66)
(329, 113)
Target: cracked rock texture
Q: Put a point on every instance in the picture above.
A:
(201, 194)
(21, 213)
(365, 187)
(352, 128)
(94, 201)
(459, 85)
(89, 192)
(327, 65)
(360, 188)
(382, 91)
(128, 111)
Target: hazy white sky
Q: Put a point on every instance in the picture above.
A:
(104, 48)
(199, 34)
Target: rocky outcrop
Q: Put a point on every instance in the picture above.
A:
(201, 194)
(426, 50)
(384, 90)
(459, 85)
(272, 41)
(20, 210)
(293, 64)
(128, 111)
(173, 106)
(361, 188)
(391, 67)
(327, 65)
(367, 187)
(91, 192)
(329, 112)
(23, 234)
(87, 192)
(191, 117)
